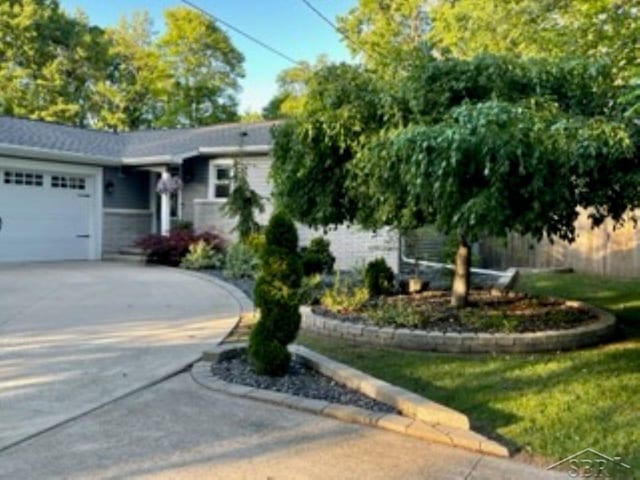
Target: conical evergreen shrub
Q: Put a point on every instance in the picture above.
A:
(276, 294)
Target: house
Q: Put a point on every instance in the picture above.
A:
(75, 194)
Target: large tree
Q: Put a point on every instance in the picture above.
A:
(50, 62)
(138, 82)
(292, 89)
(58, 67)
(205, 68)
(608, 29)
(385, 35)
(478, 147)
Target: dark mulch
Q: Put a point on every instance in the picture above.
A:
(300, 380)
(431, 310)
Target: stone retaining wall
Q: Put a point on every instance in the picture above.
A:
(552, 340)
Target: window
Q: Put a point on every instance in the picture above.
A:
(220, 179)
(23, 178)
(72, 183)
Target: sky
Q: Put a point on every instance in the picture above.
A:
(287, 25)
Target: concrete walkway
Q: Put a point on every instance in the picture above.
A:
(78, 334)
(178, 429)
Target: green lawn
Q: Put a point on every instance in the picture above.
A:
(545, 404)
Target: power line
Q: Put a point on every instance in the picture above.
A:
(322, 16)
(240, 32)
(340, 32)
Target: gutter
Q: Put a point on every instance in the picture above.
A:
(151, 161)
(250, 150)
(56, 155)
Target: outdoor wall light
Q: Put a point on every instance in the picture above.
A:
(109, 187)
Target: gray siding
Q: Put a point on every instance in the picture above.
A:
(195, 172)
(130, 191)
(121, 230)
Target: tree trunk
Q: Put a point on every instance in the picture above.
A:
(462, 274)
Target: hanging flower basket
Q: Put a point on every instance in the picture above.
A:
(167, 186)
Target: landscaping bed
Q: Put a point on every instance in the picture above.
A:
(300, 380)
(485, 313)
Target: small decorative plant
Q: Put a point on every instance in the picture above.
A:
(171, 249)
(241, 261)
(166, 186)
(276, 294)
(415, 283)
(242, 203)
(344, 296)
(379, 278)
(200, 256)
(317, 257)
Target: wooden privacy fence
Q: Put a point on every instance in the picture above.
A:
(603, 251)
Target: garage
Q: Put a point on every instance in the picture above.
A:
(48, 214)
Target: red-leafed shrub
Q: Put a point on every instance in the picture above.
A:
(170, 249)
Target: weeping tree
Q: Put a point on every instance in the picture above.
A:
(242, 204)
(477, 147)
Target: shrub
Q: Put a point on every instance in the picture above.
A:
(182, 225)
(240, 262)
(172, 248)
(317, 257)
(344, 296)
(311, 290)
(201, 256)
(255, 242)
(379, 278)
(276, 294)
(242, 202)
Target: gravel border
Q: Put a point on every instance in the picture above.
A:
(301, 381)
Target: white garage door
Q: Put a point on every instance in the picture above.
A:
(44, 215)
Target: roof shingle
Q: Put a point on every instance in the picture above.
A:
(144, 143)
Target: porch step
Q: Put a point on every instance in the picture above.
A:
(131, 251)
(124, 258)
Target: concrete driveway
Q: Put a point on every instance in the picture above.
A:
(77, 335)
(180, 430)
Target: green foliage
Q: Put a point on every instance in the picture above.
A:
(386, 35)
(58, 67)
(317, 257)
(312, 151)
(606, 29)
(205, 70)
(51, 63)
(240, 261)
(466, 145)
(344, 296)
(395, 314)
(242, 203)
(379, 278)
(311, 289)
(255, 242)
(201, 256)
(277, 295)
(282, 233)
(268, 356)
(292, 86)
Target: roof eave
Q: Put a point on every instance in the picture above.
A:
(36, 153)
(236, 151)
(151, 161)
